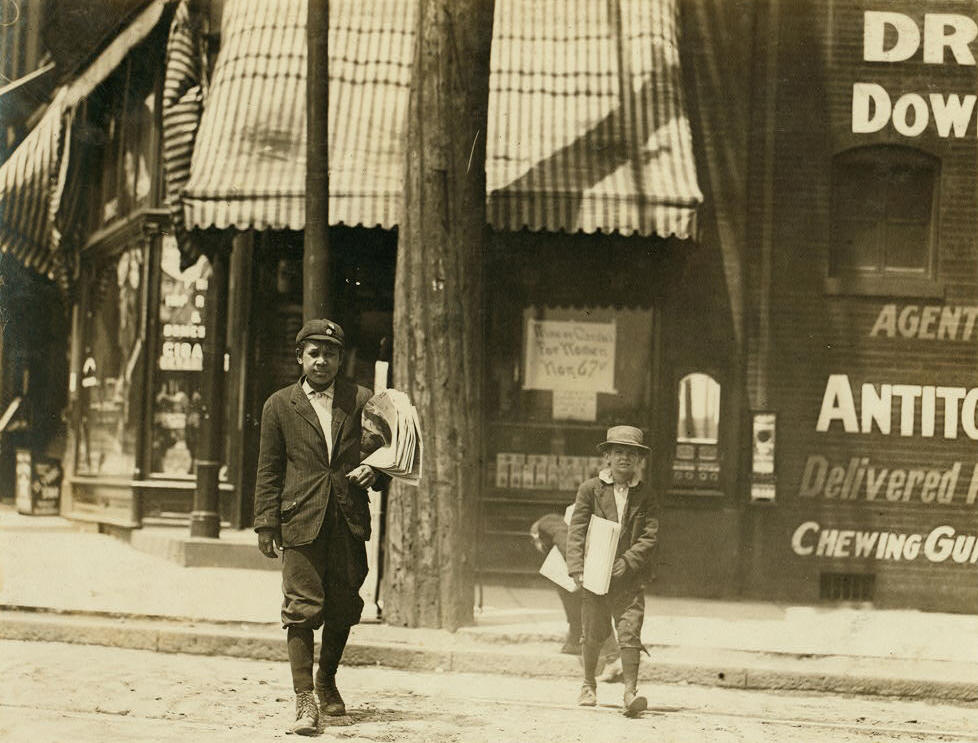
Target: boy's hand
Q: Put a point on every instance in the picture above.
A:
(619, 568)
(364, 476)
(268, 540)
(578, 579)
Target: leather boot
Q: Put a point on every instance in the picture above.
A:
(330, 701)
(632, 704)
(306, 714)
(331, 650)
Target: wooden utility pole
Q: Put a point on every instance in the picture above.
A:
(317, 295)
(438, 336)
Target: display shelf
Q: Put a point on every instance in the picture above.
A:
(710, 492)
(552, 425)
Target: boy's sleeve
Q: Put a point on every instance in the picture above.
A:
(638, 557)
(271, 470)
(577, 532)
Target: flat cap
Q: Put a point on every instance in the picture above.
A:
(321, 329)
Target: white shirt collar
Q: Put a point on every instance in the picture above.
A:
(307, 388)
(605, 477)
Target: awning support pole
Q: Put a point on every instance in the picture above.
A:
(205, 520)
(317, 295)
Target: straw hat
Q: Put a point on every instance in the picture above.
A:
(624, 436)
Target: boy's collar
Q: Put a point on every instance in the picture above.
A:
(605, 477)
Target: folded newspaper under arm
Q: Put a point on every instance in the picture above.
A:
(555, 568)
(390, 416)
(599, 554)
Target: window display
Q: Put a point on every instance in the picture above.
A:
(177, 398)
(111, 393)
(569, 374)
(696, 463)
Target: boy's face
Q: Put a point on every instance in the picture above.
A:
(623, 461)
(320, 362)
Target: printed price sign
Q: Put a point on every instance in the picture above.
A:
(569, 355)
(575, 405)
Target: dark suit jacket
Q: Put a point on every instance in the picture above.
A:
(639, 529)
(295, 477)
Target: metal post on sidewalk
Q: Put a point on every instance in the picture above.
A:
(205, 520)
(317, 295)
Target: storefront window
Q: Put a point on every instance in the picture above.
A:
(699, 409)
(569, 352)
(696, 462)
(129, 119)
(177, 397)
(111, 389)
(566, 374)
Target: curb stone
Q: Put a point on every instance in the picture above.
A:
(740, 670)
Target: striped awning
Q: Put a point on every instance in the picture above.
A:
(249, 163)
(33, 180)
(587, 123)
(587, 126)
(27, 180)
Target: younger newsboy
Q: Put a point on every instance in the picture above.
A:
(616, 494)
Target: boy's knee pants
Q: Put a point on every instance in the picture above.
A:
(625, 609)
(321, 581)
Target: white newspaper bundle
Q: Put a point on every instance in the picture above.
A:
(555, 568)
(599, 554)
(391, 415)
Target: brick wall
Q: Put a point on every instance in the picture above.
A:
(815, 333)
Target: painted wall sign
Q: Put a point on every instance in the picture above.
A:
(918, 409)
(568, 355)
(861, 478)
(891, 38)
(940, 545)
(926, 322)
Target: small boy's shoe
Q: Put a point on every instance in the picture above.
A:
(330, 701)
(633, 704)
(587, 697)
(306, 714)
(571, 648)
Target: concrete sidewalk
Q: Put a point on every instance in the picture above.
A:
(61, 583)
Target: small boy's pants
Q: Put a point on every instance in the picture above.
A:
(625, 609)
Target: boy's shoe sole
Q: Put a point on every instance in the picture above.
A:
(636, 706)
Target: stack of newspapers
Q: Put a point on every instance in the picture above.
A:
(392, 417)
(600, 547)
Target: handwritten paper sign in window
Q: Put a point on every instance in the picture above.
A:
(570, 355)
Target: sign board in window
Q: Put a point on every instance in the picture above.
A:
(177, 402)
(575, 405)
(570, 355)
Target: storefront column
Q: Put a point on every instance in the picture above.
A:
(317, 294)
(205, 520)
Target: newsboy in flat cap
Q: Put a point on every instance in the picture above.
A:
(311, 502)
(617, 494)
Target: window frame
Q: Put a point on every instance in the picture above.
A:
(715, 489)
(884, 281)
